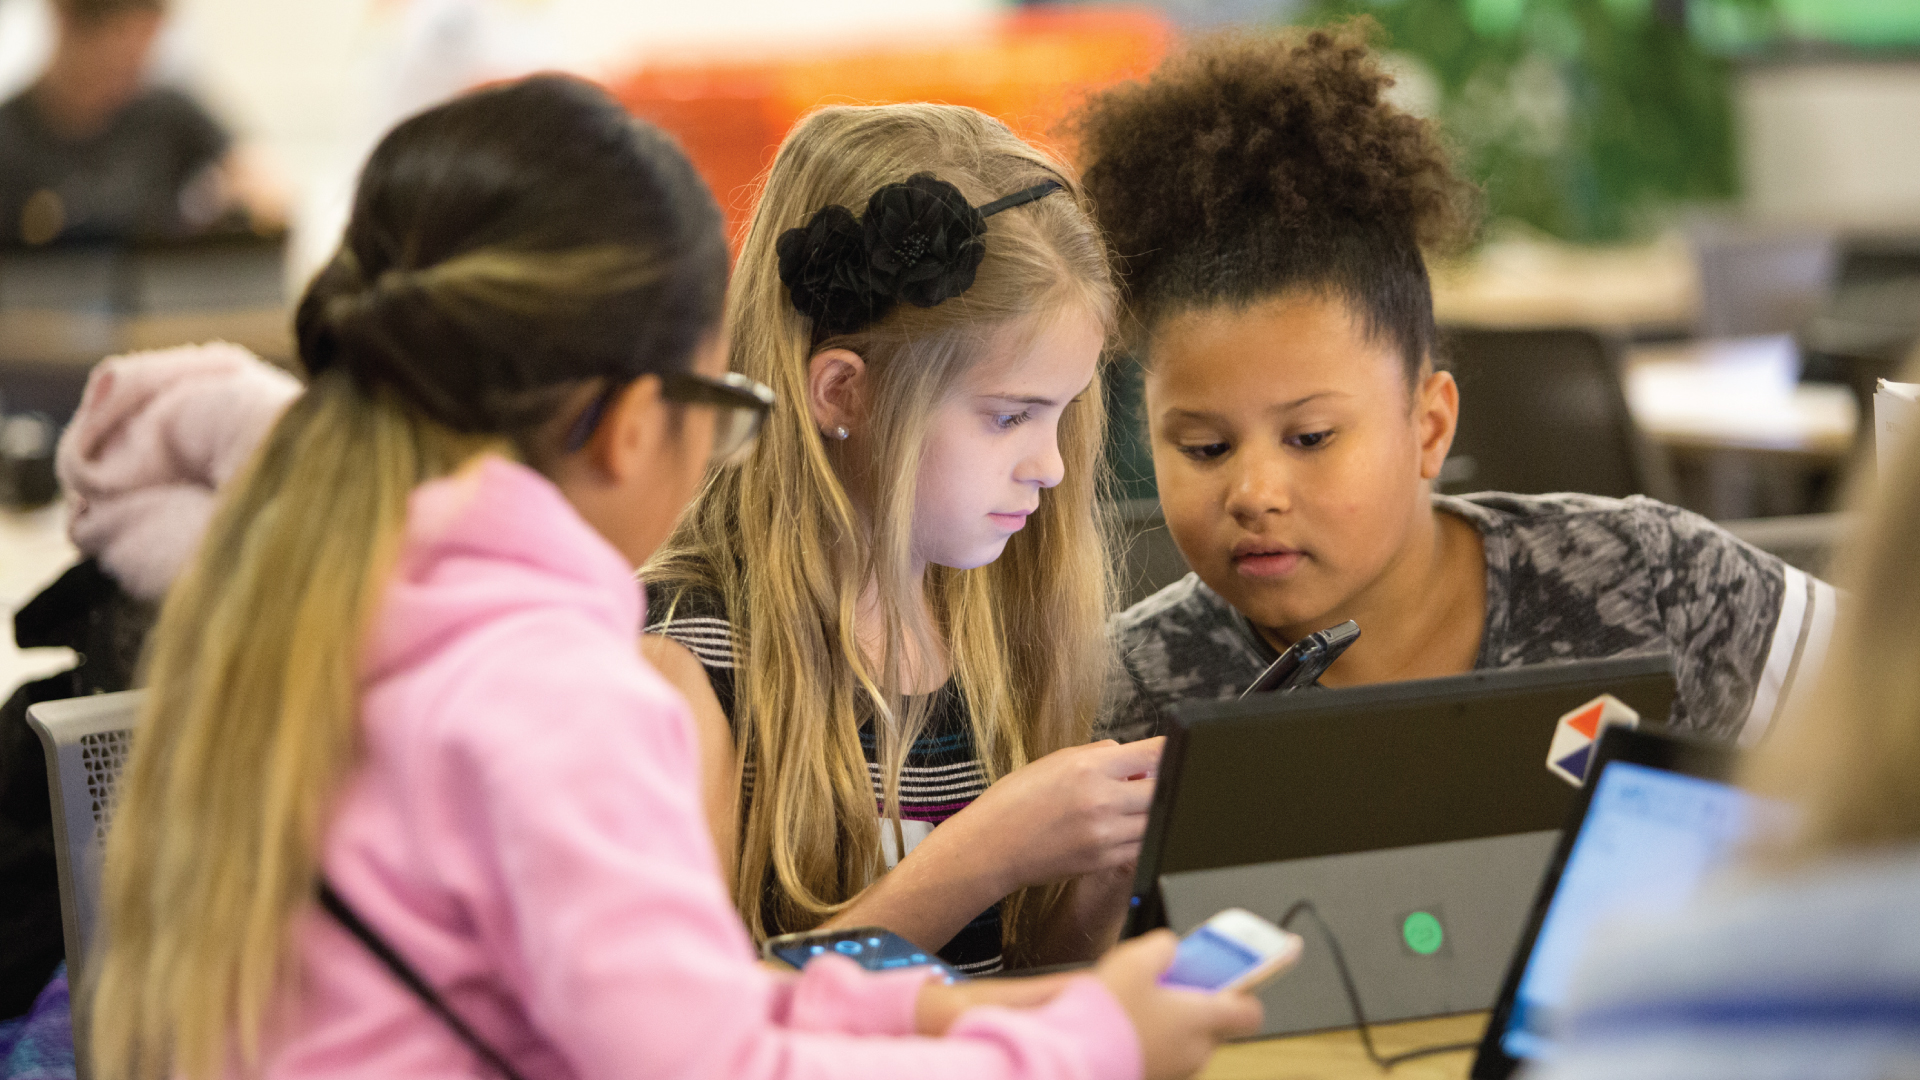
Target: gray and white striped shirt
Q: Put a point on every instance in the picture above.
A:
(1569, 577)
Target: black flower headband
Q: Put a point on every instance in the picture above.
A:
(919, 241)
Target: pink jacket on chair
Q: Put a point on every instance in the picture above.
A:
(525, 827)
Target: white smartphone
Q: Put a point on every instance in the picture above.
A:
(1234, 950)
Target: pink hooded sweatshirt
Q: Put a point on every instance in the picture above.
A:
(526, 829)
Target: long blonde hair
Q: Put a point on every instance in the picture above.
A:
(535, 212)
(1848, 758)
(783, 543)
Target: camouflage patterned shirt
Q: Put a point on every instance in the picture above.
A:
(1569, 577)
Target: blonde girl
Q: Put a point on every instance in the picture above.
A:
(401, 678)
(890, 618)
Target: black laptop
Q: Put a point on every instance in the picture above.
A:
(1416, 818)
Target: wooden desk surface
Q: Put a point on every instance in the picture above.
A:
(1738, 394)
(1337, 1055)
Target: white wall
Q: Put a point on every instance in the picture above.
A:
(1833, 144)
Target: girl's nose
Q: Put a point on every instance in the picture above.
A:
(1260, 485)
(1043, 465)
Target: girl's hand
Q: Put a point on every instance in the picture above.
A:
(1178, 1028)
(1077, 811)
(1081, 810)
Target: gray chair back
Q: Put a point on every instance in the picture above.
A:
(86, 740)
(1545, 411)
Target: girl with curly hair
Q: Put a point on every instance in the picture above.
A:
(1269, 209)
(891, 618)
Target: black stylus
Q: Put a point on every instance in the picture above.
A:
(1306, 660)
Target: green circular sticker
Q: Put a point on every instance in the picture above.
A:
(1422, 933)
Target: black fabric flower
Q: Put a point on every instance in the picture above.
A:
(923, 240)
(823, 265)
(920, 241)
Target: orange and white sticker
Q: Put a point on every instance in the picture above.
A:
(1577, 731)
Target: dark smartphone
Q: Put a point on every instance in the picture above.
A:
(1303, 663)
(869, 946)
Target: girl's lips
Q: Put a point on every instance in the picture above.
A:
(1268, 564)
(1011, 522)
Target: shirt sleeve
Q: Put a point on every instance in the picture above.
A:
(1744, 627)
(196, 137)
(698, 621)
(572, 796)
(1127, 710)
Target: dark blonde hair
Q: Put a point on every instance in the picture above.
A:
(783, 543)
(1847, 756)
(506, 251)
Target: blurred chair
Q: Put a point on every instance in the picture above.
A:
(1544, 411)
(1872, 322)
(1761, 282)
(86, 740)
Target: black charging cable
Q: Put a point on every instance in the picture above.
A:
(1305, 907)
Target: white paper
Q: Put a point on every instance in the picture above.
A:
(1896, 411)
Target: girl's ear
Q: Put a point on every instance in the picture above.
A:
(837, 391)
(1436, 412)
(633, 431)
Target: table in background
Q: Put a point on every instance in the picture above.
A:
(63, 308)
(1746, 438)
(45, 356)
(1337, 1055)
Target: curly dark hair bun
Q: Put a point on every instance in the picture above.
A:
(1249, 165)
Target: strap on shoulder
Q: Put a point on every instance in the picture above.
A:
(395, 963)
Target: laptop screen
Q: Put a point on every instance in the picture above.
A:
(1648, 840)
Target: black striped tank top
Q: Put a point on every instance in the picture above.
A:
(941, 775)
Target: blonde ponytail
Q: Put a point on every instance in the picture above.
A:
(248, 729)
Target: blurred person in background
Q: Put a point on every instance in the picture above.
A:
(1808, 967)
(92, 151)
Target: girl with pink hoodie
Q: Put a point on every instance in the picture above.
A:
(402, 675)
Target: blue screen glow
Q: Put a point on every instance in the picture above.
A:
(1207, 960)
(1649, 839)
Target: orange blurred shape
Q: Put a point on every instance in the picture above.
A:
(1026, 67)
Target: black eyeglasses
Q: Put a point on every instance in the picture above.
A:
(743, 404)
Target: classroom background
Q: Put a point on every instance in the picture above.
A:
(1701, 246)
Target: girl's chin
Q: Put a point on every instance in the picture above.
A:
(972, 560)
(1275, 603)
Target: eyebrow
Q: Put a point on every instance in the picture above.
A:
(1285, 406)
(1027, 399)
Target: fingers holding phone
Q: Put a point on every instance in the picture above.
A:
(1234, 950)
(1178, 1027)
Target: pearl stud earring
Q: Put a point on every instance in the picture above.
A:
(840, 432)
